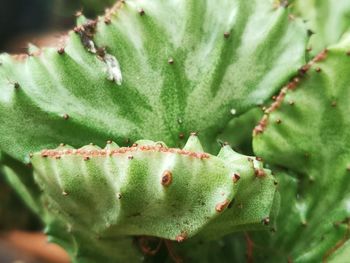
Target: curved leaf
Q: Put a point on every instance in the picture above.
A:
(149, 189)
(171, 71)
(307, 131)
(328, 20)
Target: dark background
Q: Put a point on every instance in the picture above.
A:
(21, 20)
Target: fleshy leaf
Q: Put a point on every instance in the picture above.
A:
(327, 21)
(148, 69)
(307, 130)
(152, 190)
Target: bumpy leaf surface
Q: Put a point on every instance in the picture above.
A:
(328, 20)
(148, 69)
(307, 130)
(169, 67)
(149, 189)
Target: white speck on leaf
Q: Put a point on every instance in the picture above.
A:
(91, 47)
(113, 69)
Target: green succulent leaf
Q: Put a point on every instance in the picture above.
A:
(238, 132)
(165, 71)
(150, 189)
(157, 70)
(328, 20)
(307, 131)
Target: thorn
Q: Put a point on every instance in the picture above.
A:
(65, 116)
(225, 144)
(266, 221)
(86, 158)
(194, 133)
(167, 178)
(221, 206)
(236, 177)
(318, 70)
(141, 11)
(181, 136)
(62, 144)
(227, 34)
(16, 85)
(260, 173)
(170, 61)
(109, 142)
(291, 103)
(31, 155)
(64, 193)
(182, 237)
(77, 29)
(275, 182)
(278, 121)
(119, 196)
(60, 50)
(259, 159)
(296, 80)
(273, 97)
(107, 20)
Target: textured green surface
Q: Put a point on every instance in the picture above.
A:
(312, 139)
(238, 132)
(168, 68)
(156, 191)
(327, 19)
(210, 76)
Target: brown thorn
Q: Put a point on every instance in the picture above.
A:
(236, 177)
(221, 206)
(167, 178)
(141, 11)
(60, 50)
(227, 34)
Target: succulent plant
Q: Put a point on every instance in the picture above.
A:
(147, 75)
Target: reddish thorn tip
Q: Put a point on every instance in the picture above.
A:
(141, 11)
(167, 178)
(221, 206)
(236, 177)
